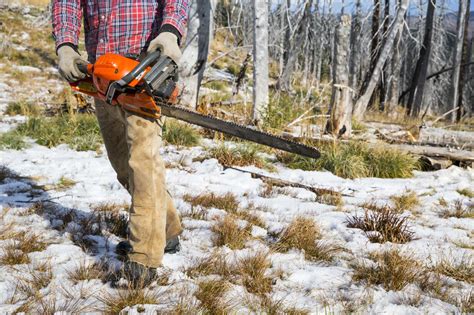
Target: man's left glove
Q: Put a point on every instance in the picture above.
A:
(167, 43)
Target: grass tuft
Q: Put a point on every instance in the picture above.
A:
(355, 160)
(12, 140)
(406, 201)
(384, 225)
(80, 131)
(227, 202)
(390, 269)
(458, 210)
(253, 269)
(84, 272)
(23, 108)
(303, 234)
(115, 302)
(211, 295)
(466, 192)
(228, 232)
(113, 218)
(214, 264)
(461, 270)
(12, 256)
(240, 155)
(180, 134)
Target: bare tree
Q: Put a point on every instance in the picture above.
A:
(196, 49)
(457, 56)
(339, 122)
(363, 101)
(260, 60)
(415, 99)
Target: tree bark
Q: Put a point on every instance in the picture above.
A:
(415, 99)
(340, 110)
(457, 55)
(260, 60)
(464, 74)
(363, 101)
(354, 66)
(196, 50)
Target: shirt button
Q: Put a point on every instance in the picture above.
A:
(101, 41)
(102, 17)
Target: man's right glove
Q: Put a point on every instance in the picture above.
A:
(68, 59)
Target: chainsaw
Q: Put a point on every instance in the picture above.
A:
(148, 88)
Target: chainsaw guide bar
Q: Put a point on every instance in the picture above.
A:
(237, 130)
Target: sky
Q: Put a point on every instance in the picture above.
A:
(452, 5)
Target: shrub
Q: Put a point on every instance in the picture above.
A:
(228, 232)
(384, 225)
(354, 160)
(390, 269)
(303, 234)
(81, 132)
(180, 134)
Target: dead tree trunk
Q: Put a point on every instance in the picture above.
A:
(457, 55)
(415, 99)
(260, 60)
(363, 101)
(340, 110)
(196, 49)
(354, 66)
(464, 59)
(394, 82)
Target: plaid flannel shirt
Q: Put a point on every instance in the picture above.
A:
(116, 26)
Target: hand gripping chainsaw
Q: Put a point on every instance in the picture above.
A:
(149, 88)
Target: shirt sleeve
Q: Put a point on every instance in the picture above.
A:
(175, 13)
(67, 18)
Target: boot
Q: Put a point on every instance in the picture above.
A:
(173, 246)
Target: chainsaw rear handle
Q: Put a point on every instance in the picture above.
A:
(84, 66)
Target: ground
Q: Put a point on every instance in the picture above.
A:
(60, 209)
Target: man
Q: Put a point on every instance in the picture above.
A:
(132, 142)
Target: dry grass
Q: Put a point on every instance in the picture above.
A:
(303, 234)
(28, 243)
(119, 299)
(241, 155)
(113, 217)
(214, 264)
(406, 201)
(466, 192)
(458, 210)
(332, 199)
(391, 269)
(227, 202)
(383, 225)
(12, 256)
(461, 270)
(37, 278)
(228, 232)
(84, 272)
(64, 183)
(267, 305)
(253, 270)
(211, 295)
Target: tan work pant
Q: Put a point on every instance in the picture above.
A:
(132, 143)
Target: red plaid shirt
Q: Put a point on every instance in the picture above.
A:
(116, 26)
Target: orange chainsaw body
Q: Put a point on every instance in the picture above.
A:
(110, 68)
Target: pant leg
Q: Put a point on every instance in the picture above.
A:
(150, 223)
(112, 127)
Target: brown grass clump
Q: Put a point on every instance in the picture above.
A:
(12, 256)
(113, 217)
(228, 232)
(122, 298)
(211, 295)
(466, 192)
(462, 270)
(214, 264)
(253, 270)
(34, 280)
(406, 201)
(241, 155)
(29, 243)
(227, 202)
(390, 269)
(86, 271)
(458, 210)
(303, 234)
(267, 305)
(385, 225)
(332, 199)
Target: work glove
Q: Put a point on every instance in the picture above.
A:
(167, 43)
(68, 60)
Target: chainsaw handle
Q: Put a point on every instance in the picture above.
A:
(145, 63)
(83, 66)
